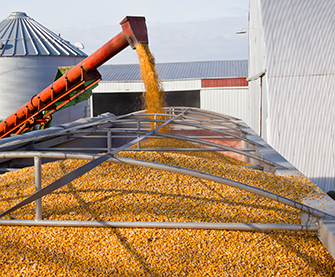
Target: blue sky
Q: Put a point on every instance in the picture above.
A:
(184, 30)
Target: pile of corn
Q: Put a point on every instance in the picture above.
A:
(117, 192)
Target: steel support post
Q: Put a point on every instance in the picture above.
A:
(109, 142)
(138, 129)
(38, 186)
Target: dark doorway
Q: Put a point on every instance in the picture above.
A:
(183, 98)
(116, 103)
(127, 102)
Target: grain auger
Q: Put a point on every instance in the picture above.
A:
(80, 78)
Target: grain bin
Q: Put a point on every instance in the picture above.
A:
(29, 57)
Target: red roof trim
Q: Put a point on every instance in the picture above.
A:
(226, 82)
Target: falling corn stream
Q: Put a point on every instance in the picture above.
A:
(154, 92)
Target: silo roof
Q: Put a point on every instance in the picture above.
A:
(20, 35)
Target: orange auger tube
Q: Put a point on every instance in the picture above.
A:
(134, 30)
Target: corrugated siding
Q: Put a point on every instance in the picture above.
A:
(182, 85)
(299, 41)
(181, 70)
(203, 69)
(227, 82)
(257, 58)
(110, 87)
(300, 35)
(23, 77)
(106, 87)
(120, 72)
(233, 102)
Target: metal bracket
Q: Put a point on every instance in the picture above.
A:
(53, 93)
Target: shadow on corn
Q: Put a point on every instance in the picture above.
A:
(289, 240)
(44, 256)
(122, 239)
(122, 204)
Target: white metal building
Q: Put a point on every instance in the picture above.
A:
(209, 85)
(292, 82)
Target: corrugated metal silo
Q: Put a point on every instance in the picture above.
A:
(29, 57)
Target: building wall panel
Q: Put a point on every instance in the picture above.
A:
(182, 85)
(299, 42)
(233, 102)
(110, 87)
(257, 65)
(299, 37)
(302, 125)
